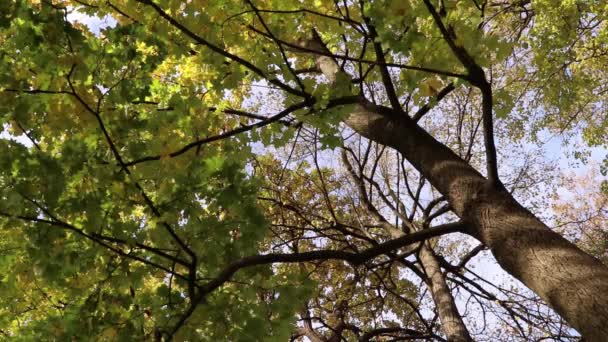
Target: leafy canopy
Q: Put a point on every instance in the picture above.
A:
(132, 187)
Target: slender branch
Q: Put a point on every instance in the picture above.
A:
(413, 334)
(304, 49)
(279, 45)
(488, 138)
(37, 91)
(470, 255)
(322, 255)
(150, 249)
(221, 51)
(392, 230)
(355, 24)
(352, 258)
(29, 136)
(477, 77)
(147, 200)
(450, 38)
(92, 237)
(386, 76)
(427, 107)
(275, 118)
(231, 111)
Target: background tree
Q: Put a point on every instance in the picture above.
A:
(142, 206)
(583, 219)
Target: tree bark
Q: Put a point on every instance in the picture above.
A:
(572, 282)
(451, 322)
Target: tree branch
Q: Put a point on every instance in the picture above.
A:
(427, 107)
(221, 51)
(477, 77)
(305, 49)
(275, 118)
(352, 258)
(386, 76)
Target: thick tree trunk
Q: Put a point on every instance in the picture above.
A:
(572, 282)
(451, 322)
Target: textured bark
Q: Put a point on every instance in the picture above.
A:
(572, 282)
(451, 322)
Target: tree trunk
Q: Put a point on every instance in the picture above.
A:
(451, 322)
(572, 282)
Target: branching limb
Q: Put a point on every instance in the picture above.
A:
(386, 76)
(427, 107)
(218, 50)
(477, 77)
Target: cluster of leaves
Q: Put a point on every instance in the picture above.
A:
(104, 233)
